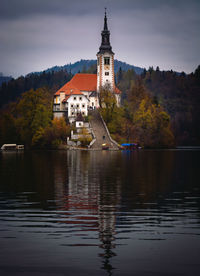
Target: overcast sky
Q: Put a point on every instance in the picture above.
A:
(38, 34)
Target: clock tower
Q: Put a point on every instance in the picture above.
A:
(105, 60)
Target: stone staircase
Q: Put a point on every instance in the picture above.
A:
(100, 132)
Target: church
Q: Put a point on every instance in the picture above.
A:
(82, 92)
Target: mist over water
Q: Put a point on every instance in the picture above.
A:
(100, 213)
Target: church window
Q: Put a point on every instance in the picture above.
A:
(72, 105)
(74, 98)
(83, 113)
(107, 61)
(77, 105)
(98, 61)
(83, 105)
(106, 73)
(72, 113)
(80, 98)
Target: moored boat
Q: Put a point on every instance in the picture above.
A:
(12, 147)
(130, 146)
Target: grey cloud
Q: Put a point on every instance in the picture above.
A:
(24, 8)
(37, 34)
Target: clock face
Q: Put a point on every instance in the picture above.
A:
(106, 67)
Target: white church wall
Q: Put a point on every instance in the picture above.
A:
(77, 104)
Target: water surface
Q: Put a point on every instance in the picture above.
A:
(100, 213)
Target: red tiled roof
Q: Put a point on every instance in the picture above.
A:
(76, 92)
(81, 82)
(85, 82)
(68, 88)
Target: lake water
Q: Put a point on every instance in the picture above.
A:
(100, 213)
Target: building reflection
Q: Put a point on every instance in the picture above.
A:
(90, 198)
(91, 187)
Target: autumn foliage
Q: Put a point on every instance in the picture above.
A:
(139, 120)
(30, 121)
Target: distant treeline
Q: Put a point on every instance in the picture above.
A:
(10, 91)
(4, 78)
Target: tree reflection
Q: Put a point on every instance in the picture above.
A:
(96, 185)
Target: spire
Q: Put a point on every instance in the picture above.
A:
(105, 38)
(105, 22)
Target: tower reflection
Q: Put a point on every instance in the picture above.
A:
(90, 199)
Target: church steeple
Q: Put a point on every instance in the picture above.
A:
(105, 38)
(105, 60)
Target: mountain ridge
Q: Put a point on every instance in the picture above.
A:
(85, 64)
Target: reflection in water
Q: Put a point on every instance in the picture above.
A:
(104, 208)
(96, 184)
(86, 190)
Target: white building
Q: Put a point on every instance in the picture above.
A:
(82, 91)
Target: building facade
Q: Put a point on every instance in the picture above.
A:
(83, 90)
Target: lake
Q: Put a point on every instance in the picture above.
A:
(100, 213)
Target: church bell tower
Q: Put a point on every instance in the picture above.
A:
(105, 60)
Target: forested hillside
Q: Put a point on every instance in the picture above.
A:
(86, 64)
(10, 91)
(139, 120)
(178, 94)
(159, 108)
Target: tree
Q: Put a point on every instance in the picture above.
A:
(8, 131)
(141, 119)
(119, 75)
(152, 125)
(197, 74)
(85, 138)
(33, 113)
(107, 102)
(56, 133)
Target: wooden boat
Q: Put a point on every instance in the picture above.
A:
(12, 147)
(105, 146)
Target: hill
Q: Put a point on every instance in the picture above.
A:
(84, 65)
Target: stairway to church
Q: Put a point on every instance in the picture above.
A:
(100, 132)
